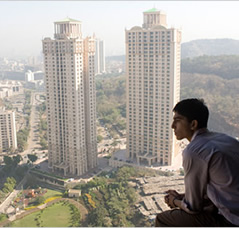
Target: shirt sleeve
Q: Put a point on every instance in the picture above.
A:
(196, 175)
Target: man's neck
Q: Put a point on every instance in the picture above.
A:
(198, 132)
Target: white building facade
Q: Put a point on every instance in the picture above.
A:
(99, 57)
(71, 102)
(153, 88)
(8, 136)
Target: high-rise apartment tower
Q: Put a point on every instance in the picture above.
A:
(70, 99)
(8, 136)
(99, 57)
(153, 87)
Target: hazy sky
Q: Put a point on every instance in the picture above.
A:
(23, 24)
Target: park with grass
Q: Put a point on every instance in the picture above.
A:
(59, 214)
(45, 207)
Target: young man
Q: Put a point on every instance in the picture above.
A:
(211, 166)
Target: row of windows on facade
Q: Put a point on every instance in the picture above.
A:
(91, 69)
(150, 45)
(156, 151)
(66, 84)
(138, 144)
(152, 99)
(156, 52)
(137, 80)
(150, 133)
(148, 87)
(151, 93)
(61, 93)
(151, 74)
(151, 35)
(137, 60)
(62, 57)
(150, 105)
(135, 122)
(151, 40)
(66, 45)
(159, 128)
(145, 50)
(152, 68)
(65, 64)
(73, 56)
(66, 140)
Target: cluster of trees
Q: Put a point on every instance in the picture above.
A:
(27, 104)
(113, 199)
(41, 108)
(11, 174)
(76, 216)
(43, 133)
(12, 168)
(114, 202)
(221, 96)
(9, 185)
(110, 105)
(225, 66)
(22, 134)
(42, 126)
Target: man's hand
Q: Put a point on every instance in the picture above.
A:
(172, 198)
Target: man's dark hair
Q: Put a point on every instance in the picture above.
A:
(193, 109)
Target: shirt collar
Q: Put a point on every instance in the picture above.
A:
(199, 132)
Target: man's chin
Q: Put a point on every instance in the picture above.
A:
(178, 137)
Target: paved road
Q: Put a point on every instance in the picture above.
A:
(11, 197)
(33, 139)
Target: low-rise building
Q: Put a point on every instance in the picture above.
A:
(74, 193)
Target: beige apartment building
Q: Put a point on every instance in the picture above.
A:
(8, 136)
(99, 56)
(71, 102)
(153, 88)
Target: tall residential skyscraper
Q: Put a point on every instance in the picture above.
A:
(99, 56)
(70, 99)
(153, 86)
(8, 136)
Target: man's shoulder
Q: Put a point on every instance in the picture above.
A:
(205, 145)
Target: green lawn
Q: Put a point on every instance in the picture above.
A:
(52, 193)
(57, 215)
(3, 217)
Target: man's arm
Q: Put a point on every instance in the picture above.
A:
(176, 201)
(171, 196)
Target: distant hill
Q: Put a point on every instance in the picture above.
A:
(209, 47)
(200, 47)
(225, 66)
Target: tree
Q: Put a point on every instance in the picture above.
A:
(39, 200)
(99, 138)
(9, 185)
(43, 143)
(17, 159)
(7, 160)
(97, 217)
(32, 157)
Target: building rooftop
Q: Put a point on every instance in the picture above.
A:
(151, 10)
(67, 19)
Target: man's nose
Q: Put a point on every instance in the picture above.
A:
(172, 125)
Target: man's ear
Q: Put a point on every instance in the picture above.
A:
(194, 125)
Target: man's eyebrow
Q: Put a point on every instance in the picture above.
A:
(177, 117)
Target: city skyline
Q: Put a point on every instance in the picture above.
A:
(24, 23)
